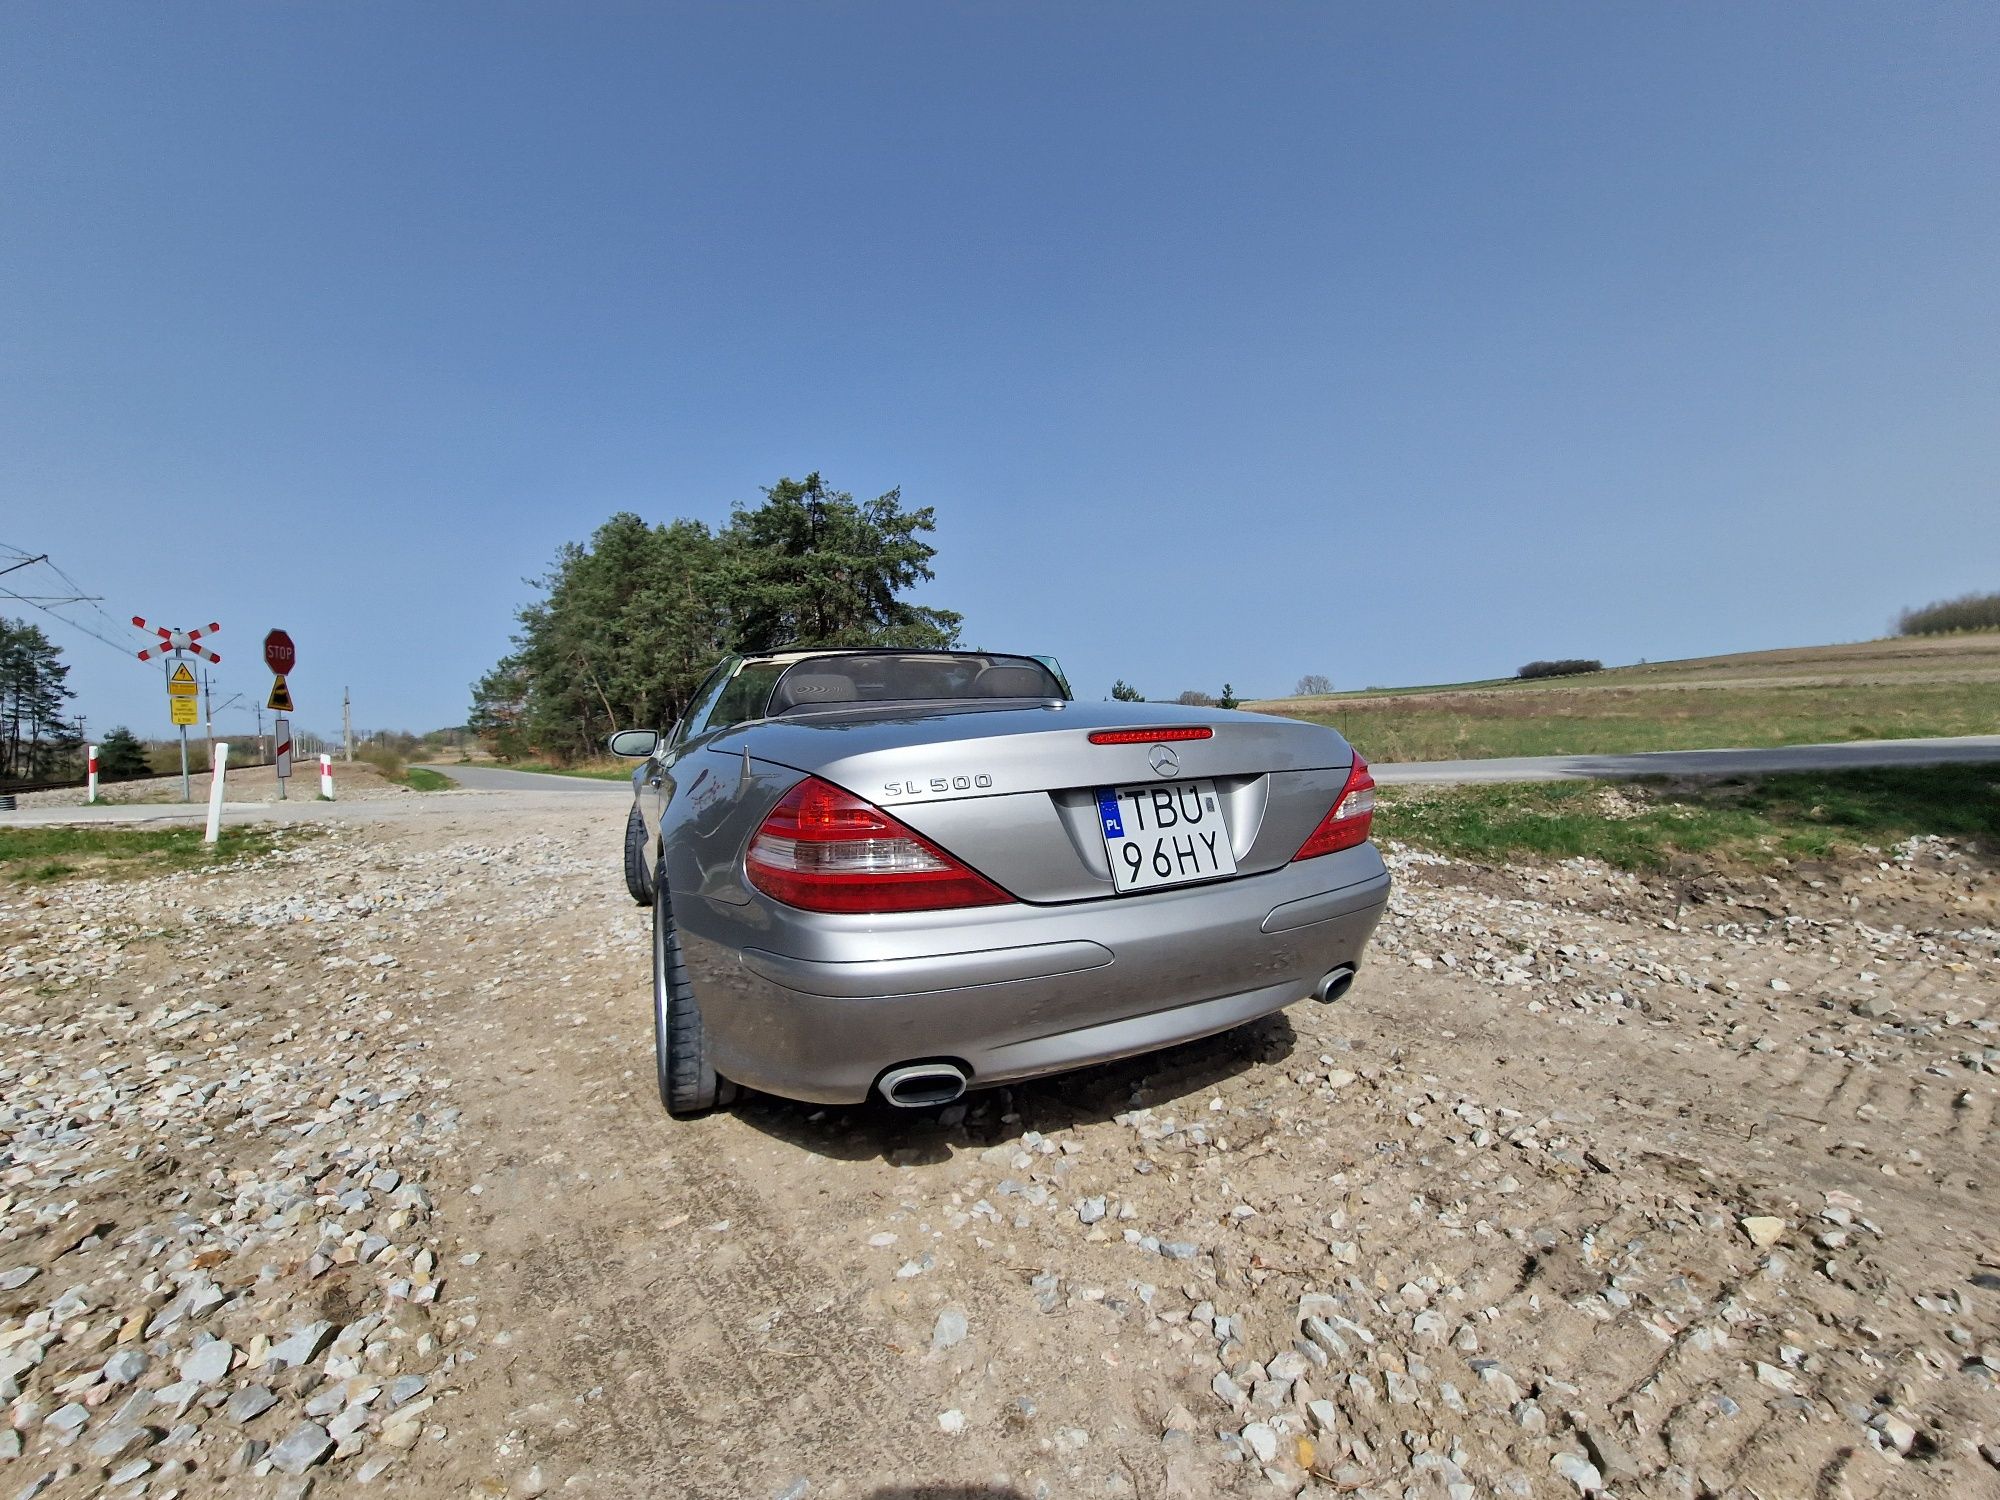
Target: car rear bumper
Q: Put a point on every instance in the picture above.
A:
(817, 1007)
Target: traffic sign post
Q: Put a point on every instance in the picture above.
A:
(281, 736)
(280, 655)
(182, 689)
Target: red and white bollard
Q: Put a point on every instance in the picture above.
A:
(90, 755)
(326, 777)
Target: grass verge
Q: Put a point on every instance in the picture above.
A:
(42, 855)
(423, 779)
(1645, 825)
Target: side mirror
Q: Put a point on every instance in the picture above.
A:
(635, 744)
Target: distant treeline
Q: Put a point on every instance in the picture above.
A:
(1569, 668)
(629, 623)
(1968, 612)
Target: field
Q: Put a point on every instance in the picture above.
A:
(1894, 689)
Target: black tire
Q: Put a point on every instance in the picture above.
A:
(636, 879)
(689, 1083)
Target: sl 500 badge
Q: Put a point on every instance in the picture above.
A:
(936, 785)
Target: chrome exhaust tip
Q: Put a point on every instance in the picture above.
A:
(1334, 985)
(921, 1085)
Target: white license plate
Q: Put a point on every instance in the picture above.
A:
(1168, 833)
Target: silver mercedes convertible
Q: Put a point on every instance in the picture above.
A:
(917, 872)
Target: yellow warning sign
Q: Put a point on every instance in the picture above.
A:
(183, 709)
(281, 696)
(182, 684)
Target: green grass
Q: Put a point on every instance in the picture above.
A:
(1611, 721)
(614, 772)
(1645, 825)
(423, 779)
(41, 855)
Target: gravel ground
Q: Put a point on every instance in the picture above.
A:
(342, 1170)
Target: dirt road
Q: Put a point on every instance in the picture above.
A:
(1592, 1184)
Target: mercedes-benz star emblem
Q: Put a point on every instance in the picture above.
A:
(1163, 761)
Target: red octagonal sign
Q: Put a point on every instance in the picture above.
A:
(279, 653)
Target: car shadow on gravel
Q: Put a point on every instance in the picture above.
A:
(949, 1492)
(1170, 1081)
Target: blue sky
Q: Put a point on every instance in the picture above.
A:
(1398, 343)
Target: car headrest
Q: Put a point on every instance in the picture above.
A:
(1011, 682)
(810, 689)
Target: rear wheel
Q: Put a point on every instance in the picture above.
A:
(689, 1083)
(637, 881)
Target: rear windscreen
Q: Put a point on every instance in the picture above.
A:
(915, 677)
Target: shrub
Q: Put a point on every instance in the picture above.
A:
(1569, 667)
(384, 758)
(1967, 612)
(120, 757)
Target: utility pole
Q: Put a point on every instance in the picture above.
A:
(346, 726)
(260, 733)
(208, 714)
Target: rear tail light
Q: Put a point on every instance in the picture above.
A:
(1347, 822)
(1150, 736)
(823, 849)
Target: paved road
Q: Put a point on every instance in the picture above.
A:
(1854, 755)
(499, 779)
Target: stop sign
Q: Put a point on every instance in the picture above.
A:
(279, 653)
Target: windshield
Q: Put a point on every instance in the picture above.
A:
(821, 682)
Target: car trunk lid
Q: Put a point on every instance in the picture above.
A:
(1012, 791)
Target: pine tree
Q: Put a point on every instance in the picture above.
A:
(34, 736)
(120, 756)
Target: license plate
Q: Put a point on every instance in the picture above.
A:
(1163, 834)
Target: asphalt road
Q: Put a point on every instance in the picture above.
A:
(499, 779)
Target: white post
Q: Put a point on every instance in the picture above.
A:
(215, 791)
(90, 753)
(326, 777)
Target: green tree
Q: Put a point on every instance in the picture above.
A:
(628, 624)
(1124, 692)
(1228, 698)
(120, 756)
(34, 735)
(810, 567)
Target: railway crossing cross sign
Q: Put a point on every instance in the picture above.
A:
(183, 692)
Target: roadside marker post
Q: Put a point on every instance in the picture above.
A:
(90, 756)
(281, 736)
(326, 777)
(182, 689)
(216, 771)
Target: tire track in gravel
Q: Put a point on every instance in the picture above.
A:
(665, 1356)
